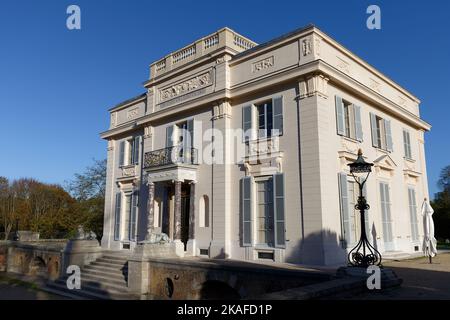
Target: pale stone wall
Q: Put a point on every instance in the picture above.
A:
(213, 82)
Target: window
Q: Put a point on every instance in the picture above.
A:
(348, 119)
(203, 209)
(381, 133)
(350, 216)
(263, 120)
(181, 135)
(265, 214)
(129, 151)
(413, 213)
(127, 216)
(407, 144)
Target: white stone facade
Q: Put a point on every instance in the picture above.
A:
(327, 102)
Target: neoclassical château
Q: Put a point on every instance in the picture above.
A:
(237, 150)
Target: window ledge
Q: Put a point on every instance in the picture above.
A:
(350, 139)
(409, 160)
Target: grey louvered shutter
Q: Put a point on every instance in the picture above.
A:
(117, 216)
(340, 122)
(413, 214)
(136, 149)
(358, 125)
(373, 125)
(345, 210)
(247, 123)
(134, 214)
(388, 133)
(277, 114)
(246, 211)
(407, 144)
(278, 205)
(122, 153)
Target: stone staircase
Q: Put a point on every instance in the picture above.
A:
(104, 279)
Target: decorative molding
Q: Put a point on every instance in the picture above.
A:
(220, 60)
(317, 42)
(343, 65)
(186, 86)
(221, 110)
(129, 171)
(148, 132)
(175, 174)
(133, 113)
(110, 145)
(316, 84)
(401, 101)
(113, 119)
(263, 64)
(374, 85)
(306, 47)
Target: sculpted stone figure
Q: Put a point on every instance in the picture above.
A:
(154, 238)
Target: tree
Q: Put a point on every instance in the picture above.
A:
(441, 206)
(91, 183)
(88, 189)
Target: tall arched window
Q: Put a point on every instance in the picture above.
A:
(203, 210)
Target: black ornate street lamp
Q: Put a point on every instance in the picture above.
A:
(363, 254)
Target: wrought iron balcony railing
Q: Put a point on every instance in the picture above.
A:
(170, 155)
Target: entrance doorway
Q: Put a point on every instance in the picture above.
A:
(168, 216)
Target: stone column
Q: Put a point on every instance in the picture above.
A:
(177, 212)
(192, 212)
(150, 206)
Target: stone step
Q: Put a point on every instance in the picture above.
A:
(98, 287)
(109, 266)
(115, 258)
(103, 279)
(101, 272)
(112, 261)
(87, 293)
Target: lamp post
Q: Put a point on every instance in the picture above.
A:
(363, 254)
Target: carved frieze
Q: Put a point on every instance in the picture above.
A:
(129, 171)
(186, 86)
(263, 64)
(133, 113)
(375, 85)
(306, 47)
(316, 84)
(113, 119)
(343, 65)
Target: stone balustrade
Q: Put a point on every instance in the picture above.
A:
(204, 46)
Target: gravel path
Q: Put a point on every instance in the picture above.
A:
(421, 280)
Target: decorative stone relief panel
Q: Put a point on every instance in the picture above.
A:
(374, 85)
(343, 65)
(306, 46)
(314, 85)
(133, 113)
(263, 64)
(186, 86)
(113, 119)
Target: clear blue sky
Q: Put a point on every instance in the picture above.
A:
(56, 85)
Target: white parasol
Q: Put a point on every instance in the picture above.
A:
(429, 242)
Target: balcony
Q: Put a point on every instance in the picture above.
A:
(170, 156)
